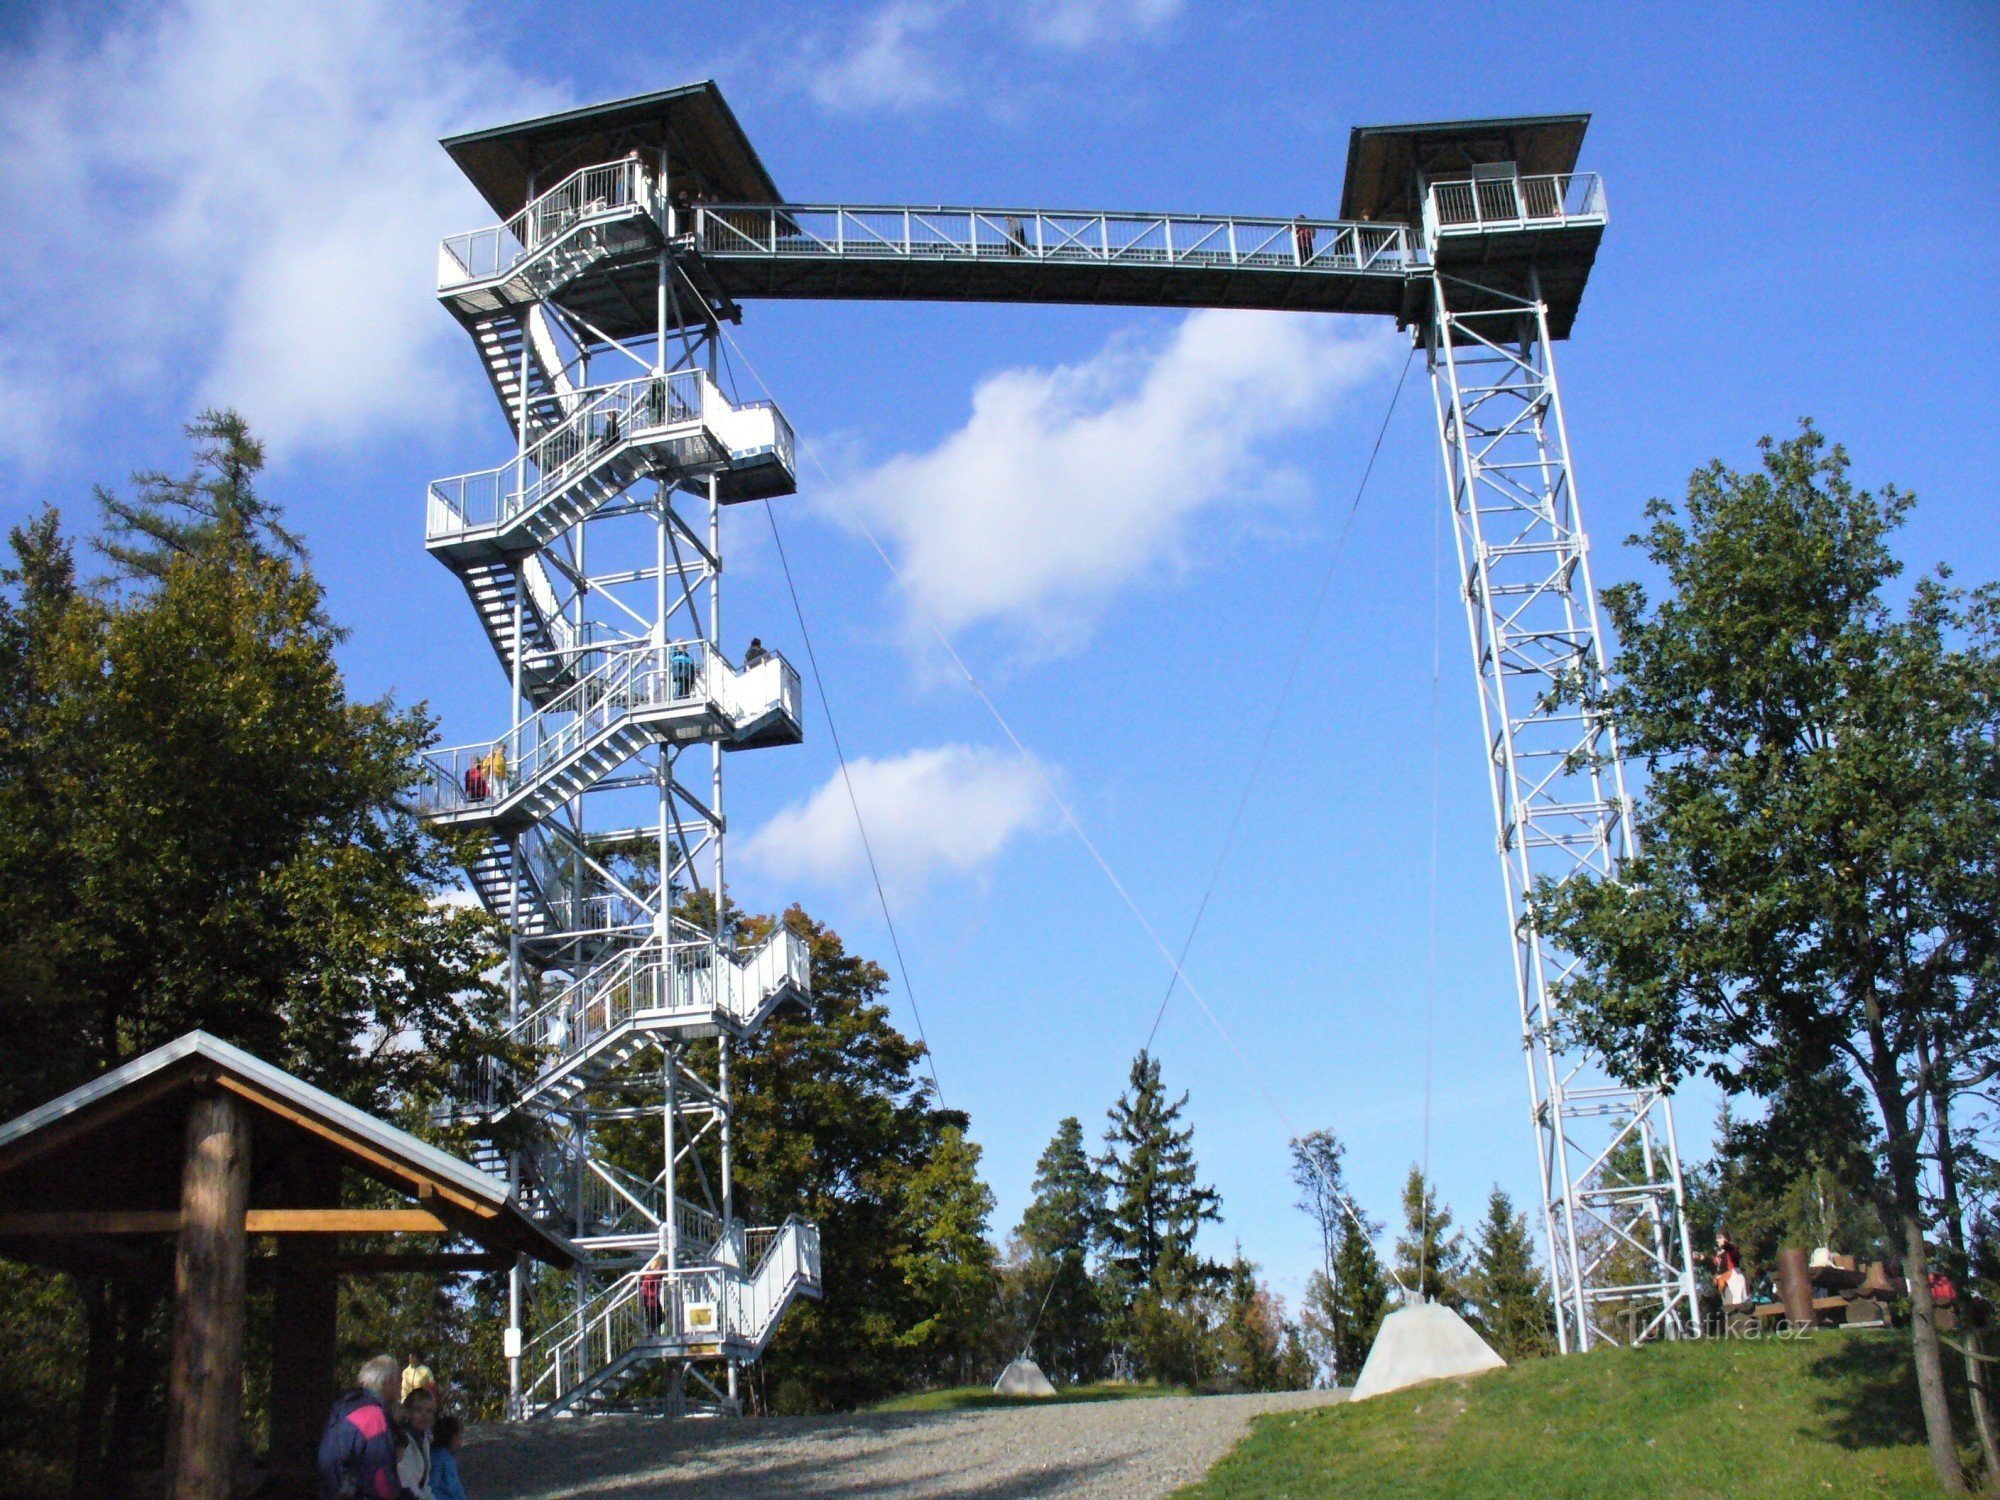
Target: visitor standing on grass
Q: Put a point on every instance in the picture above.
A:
(357, 1452)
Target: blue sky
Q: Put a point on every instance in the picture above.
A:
(240, 203)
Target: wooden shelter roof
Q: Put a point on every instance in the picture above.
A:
(110, 1153)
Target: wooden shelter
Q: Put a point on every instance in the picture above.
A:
(202, 1142)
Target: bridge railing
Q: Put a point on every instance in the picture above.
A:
(768, 231)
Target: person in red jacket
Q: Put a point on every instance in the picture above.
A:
(357, 1452)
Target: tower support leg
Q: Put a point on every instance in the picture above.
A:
(1613, 1206)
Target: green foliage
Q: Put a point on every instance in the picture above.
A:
(1507, 1296)
(1817, 885)
(1060, 1230)
(1155, 1206)
(214, 508)
(1250, 1334)
(1750, 1419)
(1804, 1175)
(1430, 1260)
(1155, 1201)
(833, 1123)
(946, 1258)
(1343, 1309)
(198, 829)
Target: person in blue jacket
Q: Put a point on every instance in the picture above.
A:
(357, 1452)
(445, 1484)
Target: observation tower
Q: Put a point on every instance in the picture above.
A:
(593, 557)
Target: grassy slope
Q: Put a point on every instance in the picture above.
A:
(1835, 1414)
(967, 1397)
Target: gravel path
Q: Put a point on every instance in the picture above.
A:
(1138, 1447)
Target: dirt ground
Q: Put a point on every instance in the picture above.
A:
(1133, 1448)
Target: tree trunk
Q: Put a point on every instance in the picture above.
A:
(1930, 1357)
(133, 1424)
(205, 1379)
(1954, 1218)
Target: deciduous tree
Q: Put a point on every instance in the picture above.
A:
(1818, 883)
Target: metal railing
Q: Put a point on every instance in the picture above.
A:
(639, 679)
(1477, 205)
(995, 235)
(607, 416)
(650, 1308)
(607, 190)
(638, 982)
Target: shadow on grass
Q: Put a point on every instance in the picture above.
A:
(1870, 1395)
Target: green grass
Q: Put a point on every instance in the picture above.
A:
(971, 1397)
(1834, 1414)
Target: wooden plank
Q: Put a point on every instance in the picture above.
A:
(343, 1221)
(354, 1146)
(112, 1221)
(205, 1371)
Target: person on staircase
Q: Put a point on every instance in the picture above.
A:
(652, 1293)
(681, 660)
(756, 655)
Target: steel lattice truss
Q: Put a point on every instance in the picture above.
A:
(1612, 1201)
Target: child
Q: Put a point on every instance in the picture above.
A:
(445, 1484)
(413, 1463)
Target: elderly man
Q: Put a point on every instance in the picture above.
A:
(357, 1452)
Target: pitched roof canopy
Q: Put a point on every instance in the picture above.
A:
(1384, 161)
(117, 1144)
(706, 148)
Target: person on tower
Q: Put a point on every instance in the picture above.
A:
(756, 655)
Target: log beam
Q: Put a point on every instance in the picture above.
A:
(255, 1221)
(205, 1376)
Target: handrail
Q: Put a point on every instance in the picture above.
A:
(1468, 205)
(594, 192)
(637, 982)
(590, 1338)
(649, 677)
(606, 416)
(1204, 241)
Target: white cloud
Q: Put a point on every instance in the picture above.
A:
(1067, 484)
(937, 813)
(237, 201)
(889, 64)
(1078, 24)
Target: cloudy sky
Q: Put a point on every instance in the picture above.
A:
(1119, 517)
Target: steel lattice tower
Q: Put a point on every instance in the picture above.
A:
(594, 559)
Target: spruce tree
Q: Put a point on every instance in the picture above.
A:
(1342, 1312)
(1430, 1260)
(1509, 1297)
(1061, 1230)
(946, 1259)
(1250, 1335)
(1157, 1203)
(215, 505)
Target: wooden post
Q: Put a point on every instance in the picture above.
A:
(305, 1300)
(205, 1376)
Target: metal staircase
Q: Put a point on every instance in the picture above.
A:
(683, 692)
(712, 1310)
(626, 990)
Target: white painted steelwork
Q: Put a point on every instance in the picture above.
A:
(593, 557)
(1612, 1200)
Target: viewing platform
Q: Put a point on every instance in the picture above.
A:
(669, 427)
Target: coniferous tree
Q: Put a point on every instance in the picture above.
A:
(1155, 1206)
(1061, 1230)
(1508, 1297)
(946, 1258)
(1430, 1259)
(199, 829)
(1342, 1313)
(1250, 1333)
